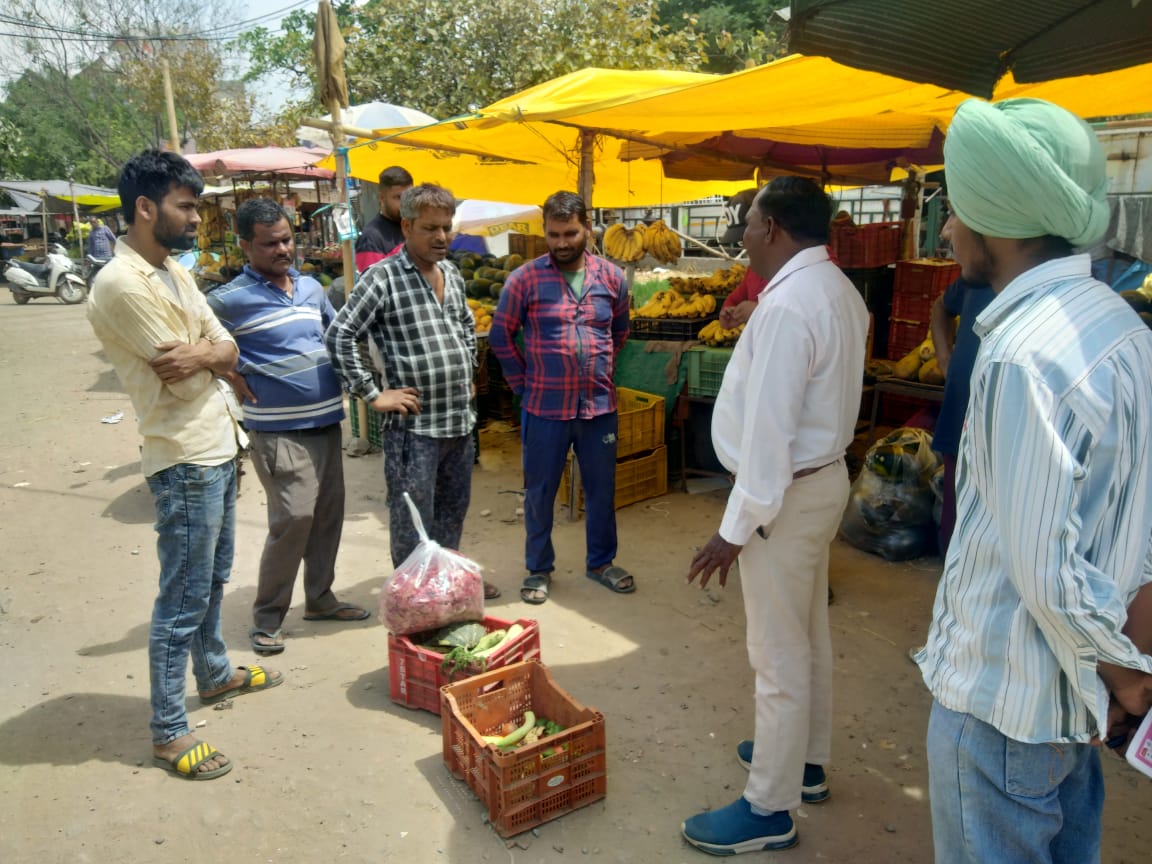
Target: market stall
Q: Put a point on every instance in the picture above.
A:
(284, 174)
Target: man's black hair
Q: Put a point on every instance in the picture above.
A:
(264, 211)
(562, 206)
(799, 206)
(395, 176)
(153, 174)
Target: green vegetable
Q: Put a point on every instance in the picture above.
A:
(513, 738)
(505, 637)
(489, 642)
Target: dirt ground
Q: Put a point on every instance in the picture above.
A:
(328, 767)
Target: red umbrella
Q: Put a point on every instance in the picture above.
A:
(291, 162)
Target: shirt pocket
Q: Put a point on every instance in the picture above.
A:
(599, 311)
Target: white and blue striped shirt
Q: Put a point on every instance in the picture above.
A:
(1054, 509)
(282, 353)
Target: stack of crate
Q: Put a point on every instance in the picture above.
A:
(918, 283)
(641, 457)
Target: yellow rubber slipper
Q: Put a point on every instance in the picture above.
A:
(256, 678)
(186, 763)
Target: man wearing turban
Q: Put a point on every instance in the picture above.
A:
(1031, 637)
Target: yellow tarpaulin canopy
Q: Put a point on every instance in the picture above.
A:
(800, 114)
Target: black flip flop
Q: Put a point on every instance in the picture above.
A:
(611, 577)
(539, 582)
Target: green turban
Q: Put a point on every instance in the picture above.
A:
(1024, 168)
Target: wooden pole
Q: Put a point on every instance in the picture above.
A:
(170, 101)
(587, 159)
(44, 219)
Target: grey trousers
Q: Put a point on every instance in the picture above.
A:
(302, 472)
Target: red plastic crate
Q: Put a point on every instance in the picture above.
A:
(924, 276)
(917, 284)
(903, 336)
(875, 245)
(415, 676)
(534, 783)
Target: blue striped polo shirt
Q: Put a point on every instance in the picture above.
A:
(282, 353)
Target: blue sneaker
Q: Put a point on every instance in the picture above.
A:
(815, 788)
(735, 829)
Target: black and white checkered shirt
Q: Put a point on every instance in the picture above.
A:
(423, 344)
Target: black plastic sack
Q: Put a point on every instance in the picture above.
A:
(891, 507)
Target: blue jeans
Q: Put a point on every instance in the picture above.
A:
(545, 446)
(196, 528)
(995, 799)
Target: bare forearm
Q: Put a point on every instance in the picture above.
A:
(1139, 625)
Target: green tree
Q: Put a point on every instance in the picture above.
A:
(448, 58)
(88, 91)
(736, 34)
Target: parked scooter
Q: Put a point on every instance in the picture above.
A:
(90, 267)
(56, 277)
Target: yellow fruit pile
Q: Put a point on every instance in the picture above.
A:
(718, 282)
(919, 364)
(662, 243)
(673, 304)
(482, 315)
(713, 334)
(624, 244)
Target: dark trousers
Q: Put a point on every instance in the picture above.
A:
(302, 472)
(437, 474)
(545, 445)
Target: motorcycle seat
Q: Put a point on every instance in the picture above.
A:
(40, 271)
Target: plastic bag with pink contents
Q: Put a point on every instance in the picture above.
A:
(434, 587)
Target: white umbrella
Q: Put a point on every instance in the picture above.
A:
(496, 217)
(370, 115)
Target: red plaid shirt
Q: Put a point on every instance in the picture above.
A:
(566, 366)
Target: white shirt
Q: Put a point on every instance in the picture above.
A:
(791, 393)
(1054, 509)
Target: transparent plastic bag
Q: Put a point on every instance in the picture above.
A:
(432, 588)
(890, 508)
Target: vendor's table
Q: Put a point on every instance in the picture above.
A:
(899, 387)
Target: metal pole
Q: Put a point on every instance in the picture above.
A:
(173, 135)
(349, 268)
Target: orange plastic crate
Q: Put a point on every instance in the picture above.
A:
(415, 675)
(535, 783)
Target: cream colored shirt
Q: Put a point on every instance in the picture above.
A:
(131, 311)
(791, 392)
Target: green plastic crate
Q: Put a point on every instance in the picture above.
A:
(706, 370)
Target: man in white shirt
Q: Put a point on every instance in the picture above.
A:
(784, 416)
(1053, 501)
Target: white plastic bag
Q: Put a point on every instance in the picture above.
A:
(432, 588)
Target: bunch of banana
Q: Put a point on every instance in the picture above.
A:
(673, 304)
(713, 334)
(718, 282)
(624, 244)
(663, 243)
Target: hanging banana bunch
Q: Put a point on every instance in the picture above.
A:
(624, 244)
(663, 243)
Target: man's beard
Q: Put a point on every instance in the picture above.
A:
(167, 237)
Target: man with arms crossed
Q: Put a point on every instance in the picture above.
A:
(168, 349)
